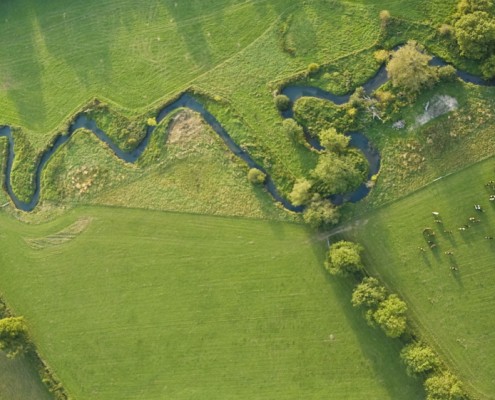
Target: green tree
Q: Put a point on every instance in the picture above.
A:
(469, 6)
(344, 258)
(339, 173)
(369, 293)
(301, 192)
(475, 35)
(444, 386)
(334, 141)
(391, 316)
(321, 212)
(282, 102)
(256, 176)
(488, 68)
(13, 336)
(293, 130)
(408, 69)
(419, 358)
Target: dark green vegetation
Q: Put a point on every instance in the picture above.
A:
(20, 381)
(448, 288)
(209, 306)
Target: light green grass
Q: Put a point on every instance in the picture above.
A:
(20, 381)
(452, 310)
(150, 305)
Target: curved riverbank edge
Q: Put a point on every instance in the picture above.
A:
(185, 100)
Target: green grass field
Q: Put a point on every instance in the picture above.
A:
(452, 309)
(134, 304)
(19, 380)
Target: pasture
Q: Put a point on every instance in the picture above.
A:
(140, 304)
(135, 304)
(450, 296)
(20, 381)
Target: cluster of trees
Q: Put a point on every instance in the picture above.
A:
(474, 31)
(388, 311)
(339, 169)
(439, 383)
(409, 69)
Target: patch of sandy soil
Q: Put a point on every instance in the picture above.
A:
(438, 105)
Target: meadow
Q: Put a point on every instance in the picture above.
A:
(20, 381)
(145, 304)
(135, 304)
(451, 307)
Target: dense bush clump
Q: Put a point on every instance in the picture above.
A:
(408, 69)
(320, 212)
(256, 176)
(282, 102)
(419, 358)
(13, 336)
(344, 258)
(369, 293)
(444, 386)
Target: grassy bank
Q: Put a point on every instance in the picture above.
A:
(137, 304)
(451, 307)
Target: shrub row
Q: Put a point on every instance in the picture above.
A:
(388, 311)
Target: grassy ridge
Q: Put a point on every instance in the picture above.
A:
(147, 305)
(452, 308)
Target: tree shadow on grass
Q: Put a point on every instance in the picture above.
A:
(383, 353)
(23, 83)
(193, 34)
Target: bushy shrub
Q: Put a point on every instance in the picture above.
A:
(369, 293)
(419, 358)
(293, 130)
(469, 6)
(444, 386)
(282, 102)
(301, 192)
(391, 316)
(344, 258)
(339, 173)
(381, 55)
(334, 141)
(488, 68)
(13, 336)
(256, 176)
(447, 73)
(408, 69)
(446, 30)
(321, 212)
(151, 121)
(475, 35)
(313, 68)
